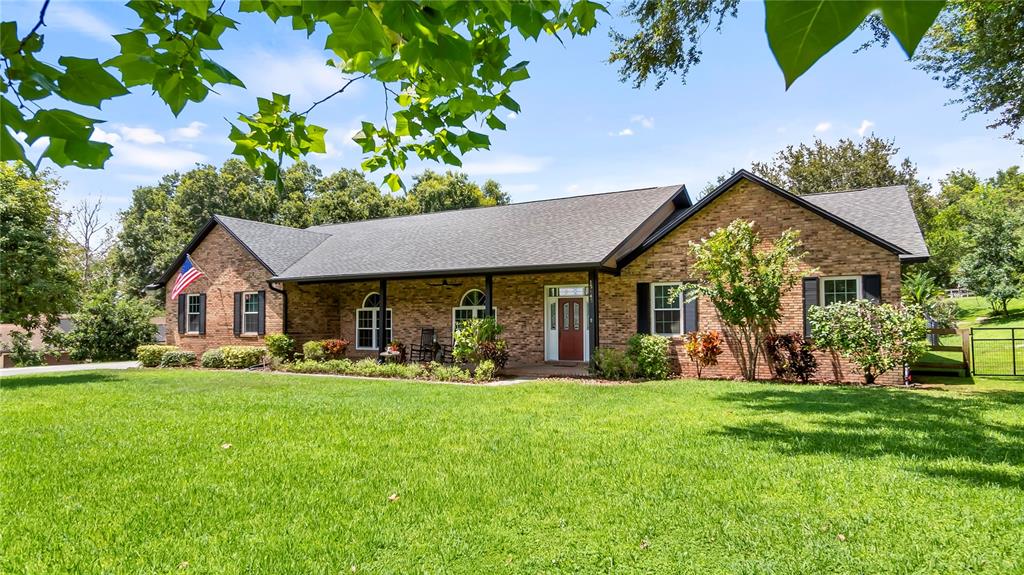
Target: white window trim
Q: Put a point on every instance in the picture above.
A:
(821, 287)
(679, 306)
(376, 323)
(256, 313)
(478, 310)
(198, 314)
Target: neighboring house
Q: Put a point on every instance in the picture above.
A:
(563, 275)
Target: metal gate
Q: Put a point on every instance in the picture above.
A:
(997, 350)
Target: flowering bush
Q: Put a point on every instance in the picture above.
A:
(790, 356)
(335, 348)
(703, 349)
(877, 338)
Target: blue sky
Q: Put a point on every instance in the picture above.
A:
(580, 130)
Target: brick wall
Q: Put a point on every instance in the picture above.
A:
(831, 249)
(228, 268)
(319, 311)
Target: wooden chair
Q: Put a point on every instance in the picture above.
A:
(425, 350)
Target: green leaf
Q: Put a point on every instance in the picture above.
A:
(172, 91)
(9, 38)
(86, 82)
(135, 70)
(394, 182)
(214, 73)
(197, 8)
(10, 147)
(356, 30)
(910, 20)
(61, 124)
(79, 153)
(800, 32)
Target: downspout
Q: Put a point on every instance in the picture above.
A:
(284, 311)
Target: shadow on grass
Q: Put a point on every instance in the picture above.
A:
(942, 436)
(58, 378)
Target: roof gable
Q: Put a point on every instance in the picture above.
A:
(683, 215)
(884, 211)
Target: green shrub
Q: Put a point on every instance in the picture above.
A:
(876, 338)
(475, 333)
(150, 355)
(22, 352)
(485, 370)
(178, 358)
(280, 346)
(314, 351)
(242, 356)
(213, 359)
(334, 348)
(944, 312)
(790, 356)
(111, 326)
(448, 372)
(364, 368)
(650, 354)
(612, 364)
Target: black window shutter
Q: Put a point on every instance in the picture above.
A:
(643, 308)
(181, 312)
(810, 299)
(238, 313)
(872, 286)
(262, 313)
(690, 317)
(202, 313)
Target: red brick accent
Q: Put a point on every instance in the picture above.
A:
(228, 268)
(834, 251)
(318, 311)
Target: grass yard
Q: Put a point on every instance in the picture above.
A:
(198, 472)
(992, 350)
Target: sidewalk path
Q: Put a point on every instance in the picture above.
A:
(73, 367)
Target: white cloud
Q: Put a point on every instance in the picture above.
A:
(68, 15)
(101, 135)
(512, 115)
(156, 158)
(501, 165)
(823, 127)
(301, 73)
(865, 125)
(189, 132)
(645, 121)
(625, 132)
(141, 135)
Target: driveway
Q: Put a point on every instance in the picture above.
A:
(73, 367)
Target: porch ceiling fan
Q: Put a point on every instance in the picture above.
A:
(445, 283)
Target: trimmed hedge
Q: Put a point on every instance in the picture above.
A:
(370, 368)
(151, 355)
(213, 359)
(242, 356)
(178, 358)
(280, 346)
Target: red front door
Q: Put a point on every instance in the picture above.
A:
(570, 329)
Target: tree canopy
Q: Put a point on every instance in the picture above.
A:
(442, 67)
(162, 218)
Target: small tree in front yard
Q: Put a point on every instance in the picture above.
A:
(745, 278)
(110, 326)
(876, 337)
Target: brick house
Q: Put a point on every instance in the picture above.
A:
(563, 276)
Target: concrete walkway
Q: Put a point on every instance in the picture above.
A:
(72, 367)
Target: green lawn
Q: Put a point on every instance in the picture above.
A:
(124, 472)
(991, 355)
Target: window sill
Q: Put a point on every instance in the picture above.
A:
(192, 334)
(248, 335)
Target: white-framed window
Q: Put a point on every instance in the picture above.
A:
(193, 311)
(367, 323)
(473, 305)
(666, 309)
(250, 312)
(840, 289)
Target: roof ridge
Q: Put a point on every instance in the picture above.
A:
(854, 190)
(488, 207)
(222, 217)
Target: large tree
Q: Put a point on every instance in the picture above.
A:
(434, 192)
(993, 233)
(37, 276)
(847, 165)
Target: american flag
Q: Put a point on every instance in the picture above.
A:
(188, 274)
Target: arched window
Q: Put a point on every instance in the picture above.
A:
(367, 322)
(472, 305)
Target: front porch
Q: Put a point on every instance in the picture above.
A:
(550, 320)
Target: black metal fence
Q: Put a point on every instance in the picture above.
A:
(997, 350)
